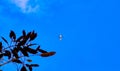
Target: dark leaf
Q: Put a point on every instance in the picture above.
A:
(12, 35)
(28, 35)
(18, 40)
(23, 68)
(1, 55)
(4, 39)
(47, 54)
(17, 61)
(15, 52)
(33, 36)
(22, 42)
(30, 50)
(29, 60)
(29, 66)
(42, 51)
(34, 65)
(24, 33)
(26, 38)
(16, 49)
(37, 49)
(32, 44)
(0, 46)
(7, 53)
(52, 53)
(0, 43)
(24, 52)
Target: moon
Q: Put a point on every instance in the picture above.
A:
(60, 37)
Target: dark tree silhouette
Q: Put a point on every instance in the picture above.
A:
(19, 50)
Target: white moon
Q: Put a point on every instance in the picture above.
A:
(60, 37)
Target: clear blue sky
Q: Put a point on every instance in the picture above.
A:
(90, 29)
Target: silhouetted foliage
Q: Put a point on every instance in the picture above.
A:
(0, 46)
(4, 40)
(7, 53)
(12, 35)
(23, 68)
(16, 61)
(21, 47)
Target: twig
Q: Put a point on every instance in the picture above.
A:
(15, 59)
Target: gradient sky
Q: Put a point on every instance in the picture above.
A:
(90, 29)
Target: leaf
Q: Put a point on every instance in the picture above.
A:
(30, 50)
(0, 43)
(29, 60)
(24, 52)
(17, 61)
(33, 36)
(12, 35)
(37, 49)
(23, 68)
(24, 33)
(42, 51)
(47, 54)
(0, 46)
(4, 39)
(22, 42)
(29, 66)
(28, 35)
(1, 55)
(7, 53)
(18, 40)
(52, 53)
(31, 44)
(34, 65)
(16, 49)
(15, 52)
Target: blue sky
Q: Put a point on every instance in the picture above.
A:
(90, 29)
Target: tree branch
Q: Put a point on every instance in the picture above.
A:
(14, 59)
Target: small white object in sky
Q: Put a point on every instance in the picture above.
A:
(60, 37)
